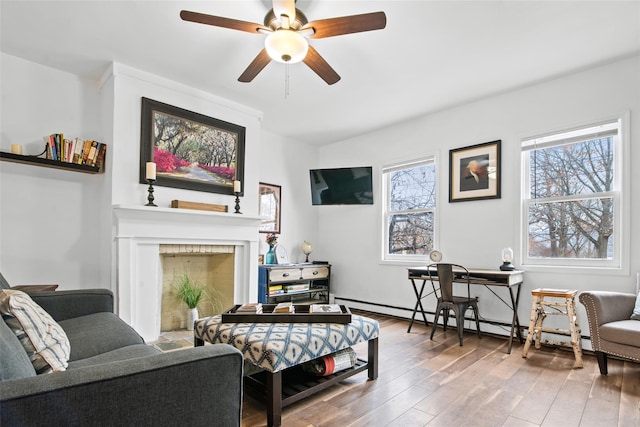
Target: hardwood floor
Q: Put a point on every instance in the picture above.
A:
(439, 383)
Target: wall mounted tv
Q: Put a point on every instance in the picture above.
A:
(342, 186)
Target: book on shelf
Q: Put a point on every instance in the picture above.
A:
(284, 307)
(325, 308)
(297, 288)
(252, 307)
(77, 150)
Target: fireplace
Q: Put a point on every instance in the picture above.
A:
(140, 231)
(209, 267)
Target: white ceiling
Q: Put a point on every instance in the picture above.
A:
(432, 54)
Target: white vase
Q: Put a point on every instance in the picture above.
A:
(192, 316)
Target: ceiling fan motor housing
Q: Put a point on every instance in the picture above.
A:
(272, 21)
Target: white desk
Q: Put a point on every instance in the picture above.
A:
(488, 278)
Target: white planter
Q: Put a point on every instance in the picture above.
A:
(192, 316)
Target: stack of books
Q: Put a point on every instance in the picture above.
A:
(284, 307)
(300, 287)
(276, 290)
(251, 307)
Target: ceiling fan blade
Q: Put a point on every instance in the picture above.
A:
(320, 66)
(348, 24)
(255, 67)
(219, 21)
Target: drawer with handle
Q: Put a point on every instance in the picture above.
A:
(315, 272)
(284, 275)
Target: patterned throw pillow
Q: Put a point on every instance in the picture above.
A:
(43, 339)
(636, 311)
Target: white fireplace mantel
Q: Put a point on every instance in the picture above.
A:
(138, 233)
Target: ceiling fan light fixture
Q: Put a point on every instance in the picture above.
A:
(286, 46)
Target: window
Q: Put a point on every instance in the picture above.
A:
(572, 197)
(409, 215)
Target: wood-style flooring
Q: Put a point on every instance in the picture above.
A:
(439, 383)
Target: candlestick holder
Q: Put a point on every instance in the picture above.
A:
(237, 203)
(150, 197)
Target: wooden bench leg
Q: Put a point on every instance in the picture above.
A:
(532, 324)
(576, 342)
(274, 399)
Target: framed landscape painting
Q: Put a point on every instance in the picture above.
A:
(191, 151)
(474, 172)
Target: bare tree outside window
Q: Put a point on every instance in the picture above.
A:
(572, 196)
(410, 209)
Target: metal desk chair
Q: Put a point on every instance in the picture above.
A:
(444, 274)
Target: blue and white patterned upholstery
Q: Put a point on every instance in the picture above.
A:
(277, 346)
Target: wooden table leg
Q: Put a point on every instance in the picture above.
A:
(274, 399)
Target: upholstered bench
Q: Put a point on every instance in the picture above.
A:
(277, 347)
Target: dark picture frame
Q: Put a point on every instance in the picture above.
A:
(191, 151)
(269, 207)
(475, 172)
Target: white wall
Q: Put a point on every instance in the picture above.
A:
(51, 221)
(473, 233)
(286, 163)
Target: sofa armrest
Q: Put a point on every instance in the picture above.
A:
(200, 386)
(62, 305)
(604, 307)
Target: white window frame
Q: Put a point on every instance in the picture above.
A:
(386, 197)
(620, 195)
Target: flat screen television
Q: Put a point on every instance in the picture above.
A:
(342, 186)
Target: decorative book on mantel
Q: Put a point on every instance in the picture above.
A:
(76, 151)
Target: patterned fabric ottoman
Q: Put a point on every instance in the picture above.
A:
(276, 347)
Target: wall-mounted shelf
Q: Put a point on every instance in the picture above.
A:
(38, 161)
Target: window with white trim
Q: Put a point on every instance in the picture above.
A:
(572, 197)
(409, 216)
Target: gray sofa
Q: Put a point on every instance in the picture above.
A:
(113, 377)
(612, 331)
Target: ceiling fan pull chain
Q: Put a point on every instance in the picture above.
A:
(286, 80)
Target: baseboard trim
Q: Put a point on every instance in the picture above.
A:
(405, 313)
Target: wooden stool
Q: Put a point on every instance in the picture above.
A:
(538, 315)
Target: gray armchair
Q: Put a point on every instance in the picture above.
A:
(114, 378)
(612, 330)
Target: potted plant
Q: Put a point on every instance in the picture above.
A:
(191, 294)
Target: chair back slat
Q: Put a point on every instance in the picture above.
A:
(445, 277)
(444, 274)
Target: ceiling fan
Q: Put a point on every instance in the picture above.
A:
(287, 31)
